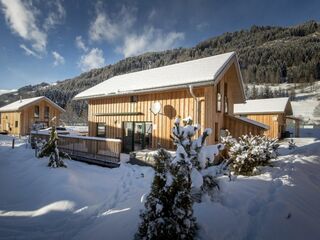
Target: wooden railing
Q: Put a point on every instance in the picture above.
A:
(104, 151)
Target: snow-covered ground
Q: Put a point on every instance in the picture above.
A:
(90, 202)
(80, 202)
(3, 91)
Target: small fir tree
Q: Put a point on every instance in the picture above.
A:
(50, 149)
(169, 212)
(156, 223)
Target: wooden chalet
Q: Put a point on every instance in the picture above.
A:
(18, 117)
(273, 112)
(139, 108)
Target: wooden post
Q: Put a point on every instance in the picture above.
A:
(13, 140)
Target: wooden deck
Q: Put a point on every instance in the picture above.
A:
(100, 151)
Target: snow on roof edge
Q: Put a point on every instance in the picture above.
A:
(260, 106)
(20, 104)
(232, 55)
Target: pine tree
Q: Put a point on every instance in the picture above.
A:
(50, 149)
(156, 223)
(169, 212)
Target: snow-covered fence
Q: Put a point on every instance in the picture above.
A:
(104, 151)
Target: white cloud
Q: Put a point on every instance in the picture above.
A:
(117, 28)
(56, 16)
(20, 16)
(106, 28)
(29, 52)
(93, 59)
(151, 40)
(58, 59)
(80, 44)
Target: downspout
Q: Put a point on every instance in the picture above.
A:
(196, 102)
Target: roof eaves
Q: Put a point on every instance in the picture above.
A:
(147, 90)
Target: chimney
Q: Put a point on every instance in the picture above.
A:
(20, 98)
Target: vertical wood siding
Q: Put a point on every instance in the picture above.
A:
(174, 103)
(275, 121)
(26, 118)
(238, 128)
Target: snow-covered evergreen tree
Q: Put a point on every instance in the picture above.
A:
(292, 144)
(193, 168)
(248, 152)
(169, 212)
(50, 149)
(156, 219)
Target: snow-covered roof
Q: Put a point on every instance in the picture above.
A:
(18, 105)
(259, 124)
(269, 105)
(200, 71)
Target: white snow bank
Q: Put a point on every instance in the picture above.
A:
(91, 202)
(281, 203)
(3, 91)
(80, 202)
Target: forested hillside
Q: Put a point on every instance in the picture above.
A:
(267, 55)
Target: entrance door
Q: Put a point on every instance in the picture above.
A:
(136, 136)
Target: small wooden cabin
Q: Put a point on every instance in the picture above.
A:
(18, 117)
(272, 112)
(206, 89)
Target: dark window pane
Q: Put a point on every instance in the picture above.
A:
(36, 111)
(46, 112)
(101, 130)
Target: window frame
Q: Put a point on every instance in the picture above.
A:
(46, 112)
(36, 113)
(134, 98)
(218, 99)
(98, 125)
(226, 100)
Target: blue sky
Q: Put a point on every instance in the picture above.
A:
(51, 40)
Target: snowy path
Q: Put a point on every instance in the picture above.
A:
(91, 202)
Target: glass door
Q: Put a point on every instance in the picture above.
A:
(127, 139)
(136, 136)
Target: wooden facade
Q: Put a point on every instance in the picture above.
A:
(275, 121)
(115, 111)
(272, 112)
(238, 127)
(20, 121)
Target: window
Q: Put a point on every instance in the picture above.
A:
(218, 100)
(16, 124)
(216, 132)
(46, 112)
(133, 99)
(226, 98)
(101, 130)
(36, 111)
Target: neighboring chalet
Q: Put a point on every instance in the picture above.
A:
(18, 117)
(273, 112)
(140, 107)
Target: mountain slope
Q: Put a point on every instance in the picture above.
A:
(266, 55)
